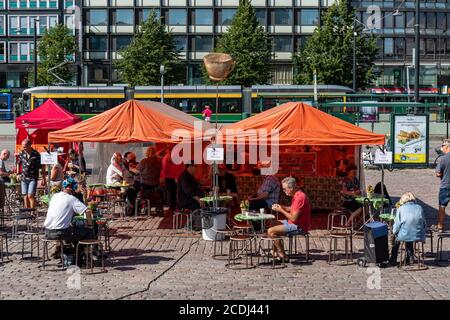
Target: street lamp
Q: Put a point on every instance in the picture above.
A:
(35, 52)
(162, 70)
(417, 55)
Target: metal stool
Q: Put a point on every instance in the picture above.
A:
(103, 234)
(419, 252)
(89, 251)
(177, 219)
(335, 215)
(121, 204)
(31, 235)
(221, 233)
(431, 235)
(337, 233)
(139, 202)
(2, 217)
(16, 220)
(292, 238)
(3, 235)
(242, 229)
(240, 244)
(439, 246)
(270, 242)
(45, 251)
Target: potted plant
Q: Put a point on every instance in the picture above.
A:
(244, 206)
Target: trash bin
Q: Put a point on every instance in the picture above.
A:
(213, 219)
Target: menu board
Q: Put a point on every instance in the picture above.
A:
(410, 137)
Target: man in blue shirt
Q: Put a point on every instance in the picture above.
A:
(443, 172)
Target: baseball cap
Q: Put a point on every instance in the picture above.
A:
(70, 182)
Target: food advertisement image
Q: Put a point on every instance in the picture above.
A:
(410, 139)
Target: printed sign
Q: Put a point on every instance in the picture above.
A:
(214, 154)
(410, 134)
(49, 158)
(383, 158)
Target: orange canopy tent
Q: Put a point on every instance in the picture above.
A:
(300, 124)
(133, 121)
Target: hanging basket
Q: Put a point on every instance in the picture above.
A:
(218, 65)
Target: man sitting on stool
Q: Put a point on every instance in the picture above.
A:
(298, 215)
(61, 210)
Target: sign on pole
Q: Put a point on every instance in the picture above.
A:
(49, 158)
(383, 157)
(214, 154)
(410, 138)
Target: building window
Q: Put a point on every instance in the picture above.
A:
(180, 43)
(440, 20)
(388, 20)
(69, 22)
(20, 51)
(120, 43)
(388, 47)
(309, 17)
(124, 17)
(399, 21)
(399, 46)
(203, 17)
(282, 17)
(431, 20)
(2, 25)
(2, 51)
(146, 14)
(97, 44)
(261, 16)
(430, 48)
(410, 44)
(226, 16)
(203, 43)
(98, 74)
(177, 17)
(410, 19)
(283, 44)
(69, 4)
(97, 17)
(32, 4)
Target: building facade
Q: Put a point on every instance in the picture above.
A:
(108, 25)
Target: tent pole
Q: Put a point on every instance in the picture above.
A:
(48, 173)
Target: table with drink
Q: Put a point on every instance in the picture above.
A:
(255, 216)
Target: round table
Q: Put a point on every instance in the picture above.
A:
(254, 216)
(376, 200)
(219, 198)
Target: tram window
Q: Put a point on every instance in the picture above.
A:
(230, 105)
(102, 105)
(210, 102)
(4, 103)
(38, 102)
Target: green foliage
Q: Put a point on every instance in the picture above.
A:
(330, 51)
(152, 46)
(249, 45)
(57, 45)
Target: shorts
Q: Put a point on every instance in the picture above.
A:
(289, 227)
(28, 187)
(444, 196)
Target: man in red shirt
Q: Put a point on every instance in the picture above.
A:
(207, 113)
(298, 215)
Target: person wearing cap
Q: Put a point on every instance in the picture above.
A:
(4, 176)
(63, 206)
(30, 161)
(443, 172)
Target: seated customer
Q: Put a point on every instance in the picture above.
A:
(114, 174)
(188, 194)
(298, 215)
(63, 206)
(351, 189)
(227, 181)
(409, 226)
(268, 193)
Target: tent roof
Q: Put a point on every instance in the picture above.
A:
(133, 121)
(301, 124)
(49, 115)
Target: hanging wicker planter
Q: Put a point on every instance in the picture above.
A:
(218, 65)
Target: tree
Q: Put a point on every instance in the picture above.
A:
(58, 45)
(329, 50)
(249, 45)
(152, 46)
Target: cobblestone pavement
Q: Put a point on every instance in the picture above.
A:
(181, 267)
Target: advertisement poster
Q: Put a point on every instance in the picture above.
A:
(410, 139)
